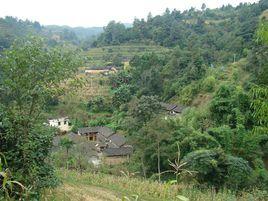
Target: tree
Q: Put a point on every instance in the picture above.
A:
(121, 95)
(203, 7)
(198, 141)
(222, 103)
(259, 105)
(146, 108)
(120, 78)
(239, 173)
(96, 104)
(224, 135)
(158, 131)
(30, 74)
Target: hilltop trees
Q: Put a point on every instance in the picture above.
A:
(114, 34)
(193, 29)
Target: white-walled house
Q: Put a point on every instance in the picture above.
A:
(62, 123)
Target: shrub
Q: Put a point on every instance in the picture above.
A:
(210, 166)
(121, 95)
(100, 121)
(209, 83)
(188, 93)
(223, 135)
(96, 104)
(217, 169)
(198, 141)
(238, 173)
(222, 103)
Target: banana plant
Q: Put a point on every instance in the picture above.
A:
(6, 183)
(178, 167)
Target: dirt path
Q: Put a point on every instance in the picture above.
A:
(87, 193)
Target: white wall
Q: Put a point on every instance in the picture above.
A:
(61, 123)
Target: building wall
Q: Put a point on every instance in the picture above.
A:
(91, 136)
(114, 160)
(61, 123)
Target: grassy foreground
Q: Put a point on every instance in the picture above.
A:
(101, 187)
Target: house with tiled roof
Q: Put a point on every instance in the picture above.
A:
(108, 143)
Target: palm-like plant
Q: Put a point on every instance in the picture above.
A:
(66, 143)
(178, 166)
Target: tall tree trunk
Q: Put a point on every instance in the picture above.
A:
(143, 167)
(158, 161)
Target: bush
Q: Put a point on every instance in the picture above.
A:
(223, 135)
(96, 104)
(210, 166)
(188, 93)
(214, 168)
(198, 141)
(99, 121)
(121, 95)
(222, 103)
(238, 173)
(209, 83)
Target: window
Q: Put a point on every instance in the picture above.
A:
(65, 122)
(59, 123)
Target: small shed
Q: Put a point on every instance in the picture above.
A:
(172, 109)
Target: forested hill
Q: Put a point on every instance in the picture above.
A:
(228, 28)
(12, 28)
(81, 32)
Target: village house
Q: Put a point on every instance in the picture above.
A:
(172, 109)
(104, 71)
(110, 145)
(117, 155)
(62, 123)
(98, 133)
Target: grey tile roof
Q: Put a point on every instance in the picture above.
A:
(122, 151)
(167, 106)
(179, 109)
(117, 139)
(103, 130)
(88, 130)
(172, 107)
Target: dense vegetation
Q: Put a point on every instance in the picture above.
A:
(30, 75)
(218, 67)
(216, 64)
(220, 33)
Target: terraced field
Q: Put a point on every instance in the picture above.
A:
(103, 55)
